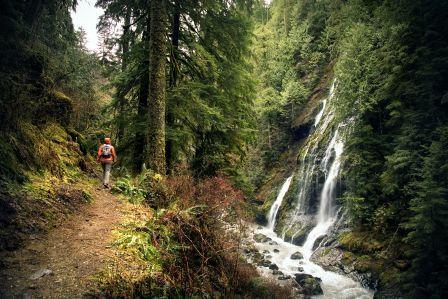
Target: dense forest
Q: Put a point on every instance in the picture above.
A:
(211, 105)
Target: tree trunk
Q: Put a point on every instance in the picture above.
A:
(121, 97)
(173, 81)
(140, 142)
(157, 86)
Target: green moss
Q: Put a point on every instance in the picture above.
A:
(360, 242)
(364, 263)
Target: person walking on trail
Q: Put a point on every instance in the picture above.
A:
(107, 156)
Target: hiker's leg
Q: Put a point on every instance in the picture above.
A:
(107, 173)
(104, 172)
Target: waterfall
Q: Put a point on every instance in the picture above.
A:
(324, 104)
(309, 158)
(277, 203)
(326, 214)
(321, 112)
(320, 158)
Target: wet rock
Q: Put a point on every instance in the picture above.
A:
(328, 258)
(265, 251)
(277, 272)
(257, 257)
(268, 257)
(302, 225)
(260, 238)
(273, 243)
(300, 269)
(260, 227)
(276, 250)
(296, 256)
(273, 267)
(40, 273)
(284, 277)
(264, 263)
(331, 259)
(318, 241)
(260, 218)
(310, 284)
(301, 277)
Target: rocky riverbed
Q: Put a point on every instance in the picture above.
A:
(285, 263)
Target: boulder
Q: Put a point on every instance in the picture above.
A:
(310, 284)
(260, 218)
(296, 256)
(318, 241)
(260, 238)
(257, 257)
(300, 269)
(276, 250)
(273, 267)
(264, 263)
(277, 272)
(273, 243)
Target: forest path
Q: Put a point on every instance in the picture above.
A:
(73, 252)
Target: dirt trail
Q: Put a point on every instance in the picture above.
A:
(73, 252)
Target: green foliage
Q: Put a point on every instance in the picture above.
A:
(428, 224)
(209, 110)
(133, 193)
(289, 55)
(389, 80)
(185, 247)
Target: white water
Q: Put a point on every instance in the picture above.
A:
(324, 104)
(327, 214)
(278, 202)
(333, 285)
(321, 112)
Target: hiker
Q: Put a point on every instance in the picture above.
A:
(107, 156)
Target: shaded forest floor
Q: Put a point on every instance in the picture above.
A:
(63, 262)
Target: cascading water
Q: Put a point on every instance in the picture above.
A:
(326, 215)
(278, 202)
(312, 161)
(309, 159)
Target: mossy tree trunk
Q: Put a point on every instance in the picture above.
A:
(122, 103)
(140, 142)
(157, 87)
(174, 73)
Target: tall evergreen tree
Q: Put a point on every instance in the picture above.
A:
(157, 86)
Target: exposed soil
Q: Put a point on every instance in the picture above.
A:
(72, 252)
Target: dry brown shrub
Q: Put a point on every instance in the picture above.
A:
(207, 260)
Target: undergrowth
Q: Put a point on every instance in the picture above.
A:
(44, 176)
(186, 244)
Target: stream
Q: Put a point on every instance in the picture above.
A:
(333, 285)
(276, 251)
